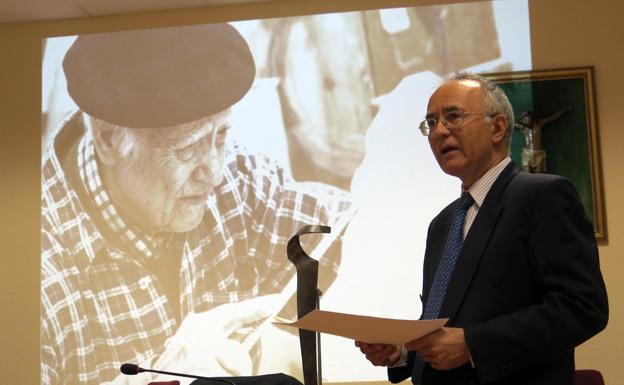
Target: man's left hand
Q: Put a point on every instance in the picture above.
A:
(444, 349)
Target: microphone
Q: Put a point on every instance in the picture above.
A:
(132, 369)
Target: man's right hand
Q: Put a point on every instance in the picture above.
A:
(203, 343)
(380, 354)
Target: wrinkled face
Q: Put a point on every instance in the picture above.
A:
(466, 152)
(163, 184)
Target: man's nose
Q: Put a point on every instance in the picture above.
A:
(207, 167)
(440, 129)
(204, 174)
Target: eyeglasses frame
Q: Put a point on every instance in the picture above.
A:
(426, 131)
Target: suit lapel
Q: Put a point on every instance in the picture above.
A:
(475, 243)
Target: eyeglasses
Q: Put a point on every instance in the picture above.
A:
(452, 120)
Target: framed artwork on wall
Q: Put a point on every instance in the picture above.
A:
(556, 130)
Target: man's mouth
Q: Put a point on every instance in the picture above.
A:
(446, 149)
(195, 199)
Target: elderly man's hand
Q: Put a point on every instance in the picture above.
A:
(444, 349)
(203, 343)
(380, 354)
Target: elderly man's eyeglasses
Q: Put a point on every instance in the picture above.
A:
(452, 120)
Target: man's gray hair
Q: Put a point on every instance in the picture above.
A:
(495, 100)
(121, 137)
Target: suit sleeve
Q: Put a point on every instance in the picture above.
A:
(572, 302)
(396, 375)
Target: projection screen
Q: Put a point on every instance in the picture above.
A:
(150, 260)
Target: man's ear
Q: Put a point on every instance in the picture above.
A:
(499, 124)
(106, 139)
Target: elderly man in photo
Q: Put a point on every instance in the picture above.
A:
(162, 243)
(513, 263)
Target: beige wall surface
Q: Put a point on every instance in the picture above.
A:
(564, 34)
(579, 33)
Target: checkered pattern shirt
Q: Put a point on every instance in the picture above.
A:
(101, 302)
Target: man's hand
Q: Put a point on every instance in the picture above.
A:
(380, 354)
(203, 343)
(444, 349)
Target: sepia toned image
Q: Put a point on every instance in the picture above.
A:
(178, 162)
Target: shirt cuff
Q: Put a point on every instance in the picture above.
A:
(472, 364)
(402, 360)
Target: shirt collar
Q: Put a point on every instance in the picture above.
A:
(481, 187)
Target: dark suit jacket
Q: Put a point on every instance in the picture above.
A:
(526, 288)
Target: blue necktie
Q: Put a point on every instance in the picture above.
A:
(452, 247)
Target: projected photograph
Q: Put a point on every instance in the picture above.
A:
(177, 163)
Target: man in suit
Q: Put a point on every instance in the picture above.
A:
(525, 286)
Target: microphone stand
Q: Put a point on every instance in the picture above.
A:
(132, 369)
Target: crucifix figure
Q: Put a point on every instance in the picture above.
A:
(533, 155)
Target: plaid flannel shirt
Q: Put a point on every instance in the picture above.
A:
(102, 305)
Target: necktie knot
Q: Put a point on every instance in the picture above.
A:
(465, 201)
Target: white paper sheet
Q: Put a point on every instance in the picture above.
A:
(365, 328)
